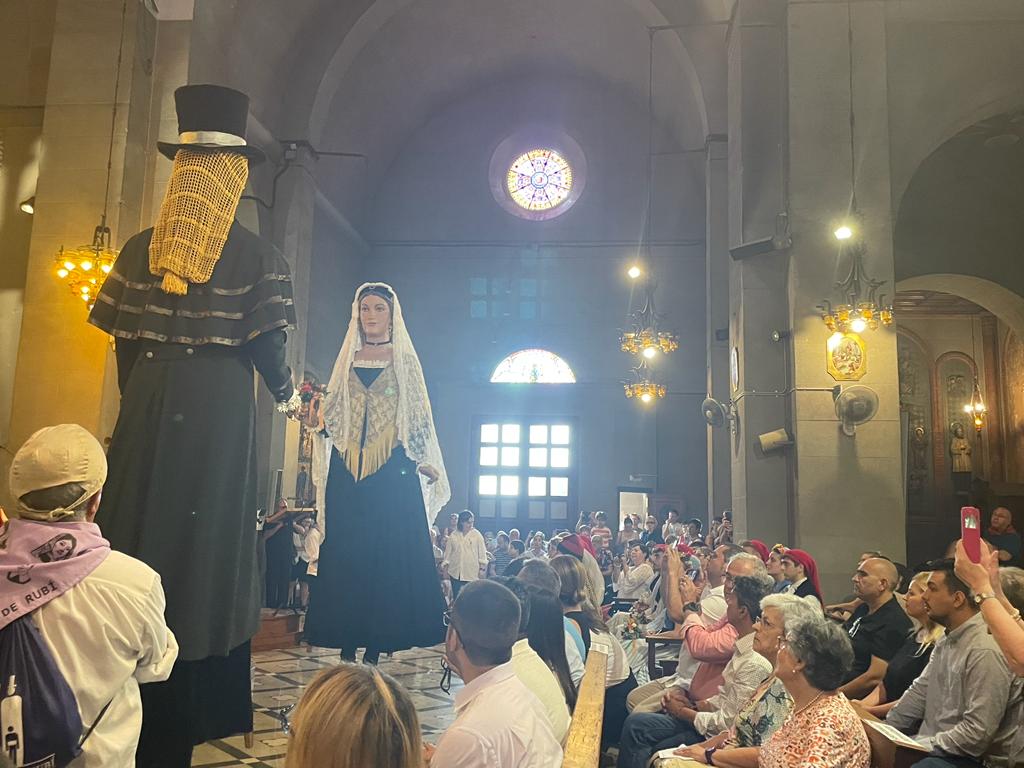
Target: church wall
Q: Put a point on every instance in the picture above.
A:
(437, 226)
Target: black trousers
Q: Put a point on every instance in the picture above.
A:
(457, 586)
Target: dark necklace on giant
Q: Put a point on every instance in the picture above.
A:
(377, 343)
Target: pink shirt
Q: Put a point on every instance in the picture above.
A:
(712, 646)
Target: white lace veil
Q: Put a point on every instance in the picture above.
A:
(415, 423)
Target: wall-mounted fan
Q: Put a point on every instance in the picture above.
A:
(856, 405)
(716, 414)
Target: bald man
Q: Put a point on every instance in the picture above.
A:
(877, 628)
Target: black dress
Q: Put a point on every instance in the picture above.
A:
(181, 488)
(906, 666)
(377, 585)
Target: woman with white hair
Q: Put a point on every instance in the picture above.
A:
(764, 713)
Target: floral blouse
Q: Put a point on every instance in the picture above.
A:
(828, 734)
(762, 716)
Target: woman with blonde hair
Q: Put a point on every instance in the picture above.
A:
(912, 657)
(352, 717)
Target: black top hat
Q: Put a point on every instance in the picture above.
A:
(212, 118)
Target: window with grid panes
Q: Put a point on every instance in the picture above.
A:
(524, 473)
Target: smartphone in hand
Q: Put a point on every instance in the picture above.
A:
(970, 532)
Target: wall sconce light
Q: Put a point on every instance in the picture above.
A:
(28, 206)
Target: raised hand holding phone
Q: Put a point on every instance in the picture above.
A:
(970, 532)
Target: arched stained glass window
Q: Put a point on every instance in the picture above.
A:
(539, 180)
(533, 366)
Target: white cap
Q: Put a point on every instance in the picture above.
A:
(55, 456)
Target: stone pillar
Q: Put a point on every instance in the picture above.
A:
(65, 369)
(848, 490)
(62, 369)
(717, 279)
(757, 270)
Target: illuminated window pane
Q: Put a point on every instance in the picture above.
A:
(539, 434)
(510, 457)
(535, 510)
(560, 434)
(539, 180)
(559, 486)
(510, 433)
(538, 457)
(489, 433)
(509, 485)
(533, 366)
(488, 485)
(488, 508)
(537, 486)
(489, 456)
(560, 458)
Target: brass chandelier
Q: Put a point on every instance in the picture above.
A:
(83, 269)
(645, 340)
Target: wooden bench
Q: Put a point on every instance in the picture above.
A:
(665, 638)
(886, 753)
(583, 743)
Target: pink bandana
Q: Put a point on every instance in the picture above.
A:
(41, 561)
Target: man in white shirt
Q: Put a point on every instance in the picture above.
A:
(533, 671)
(499, 723)
(686, 721)
(107, 631)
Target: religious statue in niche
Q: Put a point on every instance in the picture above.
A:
(847, 357)
(919, 449)
(960, 450)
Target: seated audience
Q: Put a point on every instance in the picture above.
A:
(600, 526)
(774, 565)
(353, 716)
(877, 628)
(801, 571)
(619, 678)
(542, 578)
(651, 533)
(687, 720)
(673, 526)
(701, 651)
(626, 535)
(823, 730)
(692, 534)
(499, 723)
(771, 704)
(532, 669)
(1002, 614)
(1004, 537)
(757, 548)
(538, 548)
(967, 701)
(912, 657)
(502, 554)
(583, 550)
(103, 616)
(632, 580)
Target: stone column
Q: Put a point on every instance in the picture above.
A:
(757, 270)
(848, 490)
(62, 370)
(717, 278)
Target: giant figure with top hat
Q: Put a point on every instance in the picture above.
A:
(196, 305)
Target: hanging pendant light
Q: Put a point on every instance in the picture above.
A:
(83, 269)
(976, 408)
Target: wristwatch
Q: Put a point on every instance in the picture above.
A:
(709, 755)
(981, 597)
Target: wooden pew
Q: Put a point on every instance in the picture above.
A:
(884, 752)
(583, 744)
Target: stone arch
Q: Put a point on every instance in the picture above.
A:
(382, 11)
(934, 134)
(1001, 302)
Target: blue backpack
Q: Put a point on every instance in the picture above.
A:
(39, 721)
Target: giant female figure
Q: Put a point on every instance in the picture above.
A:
(377, 585)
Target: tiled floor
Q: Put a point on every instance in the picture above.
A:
(279, 679)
